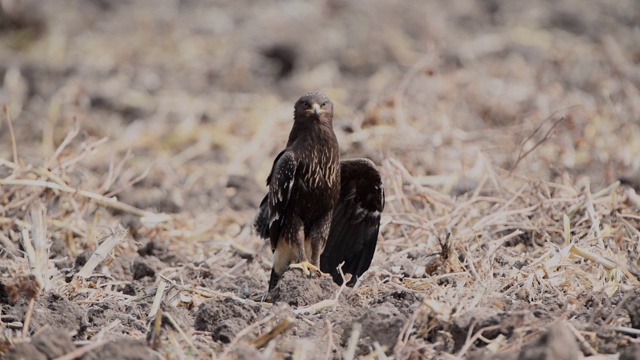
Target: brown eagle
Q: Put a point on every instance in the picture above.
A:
(319, 211)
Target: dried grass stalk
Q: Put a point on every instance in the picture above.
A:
(113, 238)
(317, 306)
(282, 326)
(37, 247)
(184, 335)
(350, 353)
(100, 199)
(157, 300)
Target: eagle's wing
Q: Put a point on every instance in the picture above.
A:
(281, 182)
(271, 213)
(356, 220)
(261, 221)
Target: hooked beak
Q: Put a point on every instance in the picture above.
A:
(315, 108)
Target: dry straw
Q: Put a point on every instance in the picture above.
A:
(504, 242)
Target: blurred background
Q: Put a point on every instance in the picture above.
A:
(202, 92)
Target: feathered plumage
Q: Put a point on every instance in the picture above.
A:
(319, 211)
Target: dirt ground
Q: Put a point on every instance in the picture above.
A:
(137, 136)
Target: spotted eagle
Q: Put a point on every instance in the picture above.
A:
(320, 211)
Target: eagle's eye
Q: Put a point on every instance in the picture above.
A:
(324, 104)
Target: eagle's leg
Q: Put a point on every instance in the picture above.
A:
(273, 280)
(300, 254)
(304, 263)
(314, 245)
(287, 250)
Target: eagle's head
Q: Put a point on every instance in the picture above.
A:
(313, 106)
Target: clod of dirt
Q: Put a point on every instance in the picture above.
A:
(25, 287)
(404, 301)
(4, 296)
(480, 318)
(128, 289)
(224, 318)
(24, 351)
(155, 248)
(129, 314)
(122, 349)
(59, 247)
(148, 266)
(121, 268)
(633, 308)
(161, 250)
(296, 289)
(632, 352)
(556, 344)
(82, 259)
(53, 343)
(382, 324)
(55, 311)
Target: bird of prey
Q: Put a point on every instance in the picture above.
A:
(319, 211)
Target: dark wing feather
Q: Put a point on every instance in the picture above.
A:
(272, 210)
(281, 182)
(356, 220)
(261, 221)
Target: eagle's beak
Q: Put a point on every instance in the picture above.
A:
(315, 108)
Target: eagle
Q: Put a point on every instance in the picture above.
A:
(320, 211)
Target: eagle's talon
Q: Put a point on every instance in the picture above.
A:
(319, 273)
(306, 268)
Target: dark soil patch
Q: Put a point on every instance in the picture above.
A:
(406, 302)
(162, 250)
(224, 318)
(52, 310)
(123, 349)
(53, 343)
(243, 286)
(46, 344)
(468, 323)
(382, 324)
(633, 308)
(129, 314)
(122, 267)
(4, 296)
(146, 267)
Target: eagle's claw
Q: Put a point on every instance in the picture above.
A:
(307, 268)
